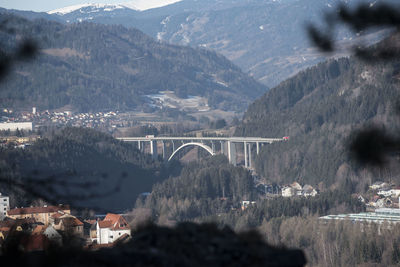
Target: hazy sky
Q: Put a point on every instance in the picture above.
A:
(47, 5)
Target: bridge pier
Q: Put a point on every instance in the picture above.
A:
(213, 147)
(250, 161)
(232, 153)
(153, 148)
(222, 147)
(246, 163)
(163, 149)
(258, 147)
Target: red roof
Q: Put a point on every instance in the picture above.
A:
(105, 224)
(71, 221)
(4, 229)
(31, 210)
(114, 221)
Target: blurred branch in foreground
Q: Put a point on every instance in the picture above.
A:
(26, 50)
(371, 145)
(360, 19)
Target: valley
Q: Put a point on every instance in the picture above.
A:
(181, 118)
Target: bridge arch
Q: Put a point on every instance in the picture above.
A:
(207, 148)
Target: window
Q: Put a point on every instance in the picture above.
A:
(119, 233)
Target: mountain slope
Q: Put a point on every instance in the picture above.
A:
(97, 67)
(83, 168)
(265, 38)
(319, 108)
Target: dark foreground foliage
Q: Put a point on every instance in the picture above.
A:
(187, 244)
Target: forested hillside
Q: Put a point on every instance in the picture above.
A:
(203, 188)
(266, 38)
(319, 108)
(82, 167)
(96, 67)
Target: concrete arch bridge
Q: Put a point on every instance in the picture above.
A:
(226, 145)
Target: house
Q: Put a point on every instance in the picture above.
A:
(383, 202)
(389, 192)
(4, 206)
(247, 203)
(385, 192)
(53, 235)
(40, 214)
(296, 186)
(68, 223)
(395, 192)
(111, 228)
(378, 185)
(309, 191)
(89, 228)
(288, 191)
(48, 231)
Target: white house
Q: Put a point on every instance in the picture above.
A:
(385, 193)
(4, 206)
(395, 192)
(378, 185)
(111, 228)
(288, 191)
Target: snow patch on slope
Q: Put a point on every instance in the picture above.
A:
(142, 5)
(69, 9)
(139, 5)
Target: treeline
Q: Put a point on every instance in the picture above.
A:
(202, 189)
(104, 172)
(94, 67)
(213, 190)
(319, 109)
(330, 202)
(336, 243)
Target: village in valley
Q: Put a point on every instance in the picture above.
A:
(47, 225)
(50, 224)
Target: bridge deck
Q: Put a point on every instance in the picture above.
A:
(231, 139)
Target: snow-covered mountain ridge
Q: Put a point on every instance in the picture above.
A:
(137, 5)
(69, 9)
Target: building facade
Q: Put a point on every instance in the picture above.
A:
(4, 206)
(40, 214)
(111, 229)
